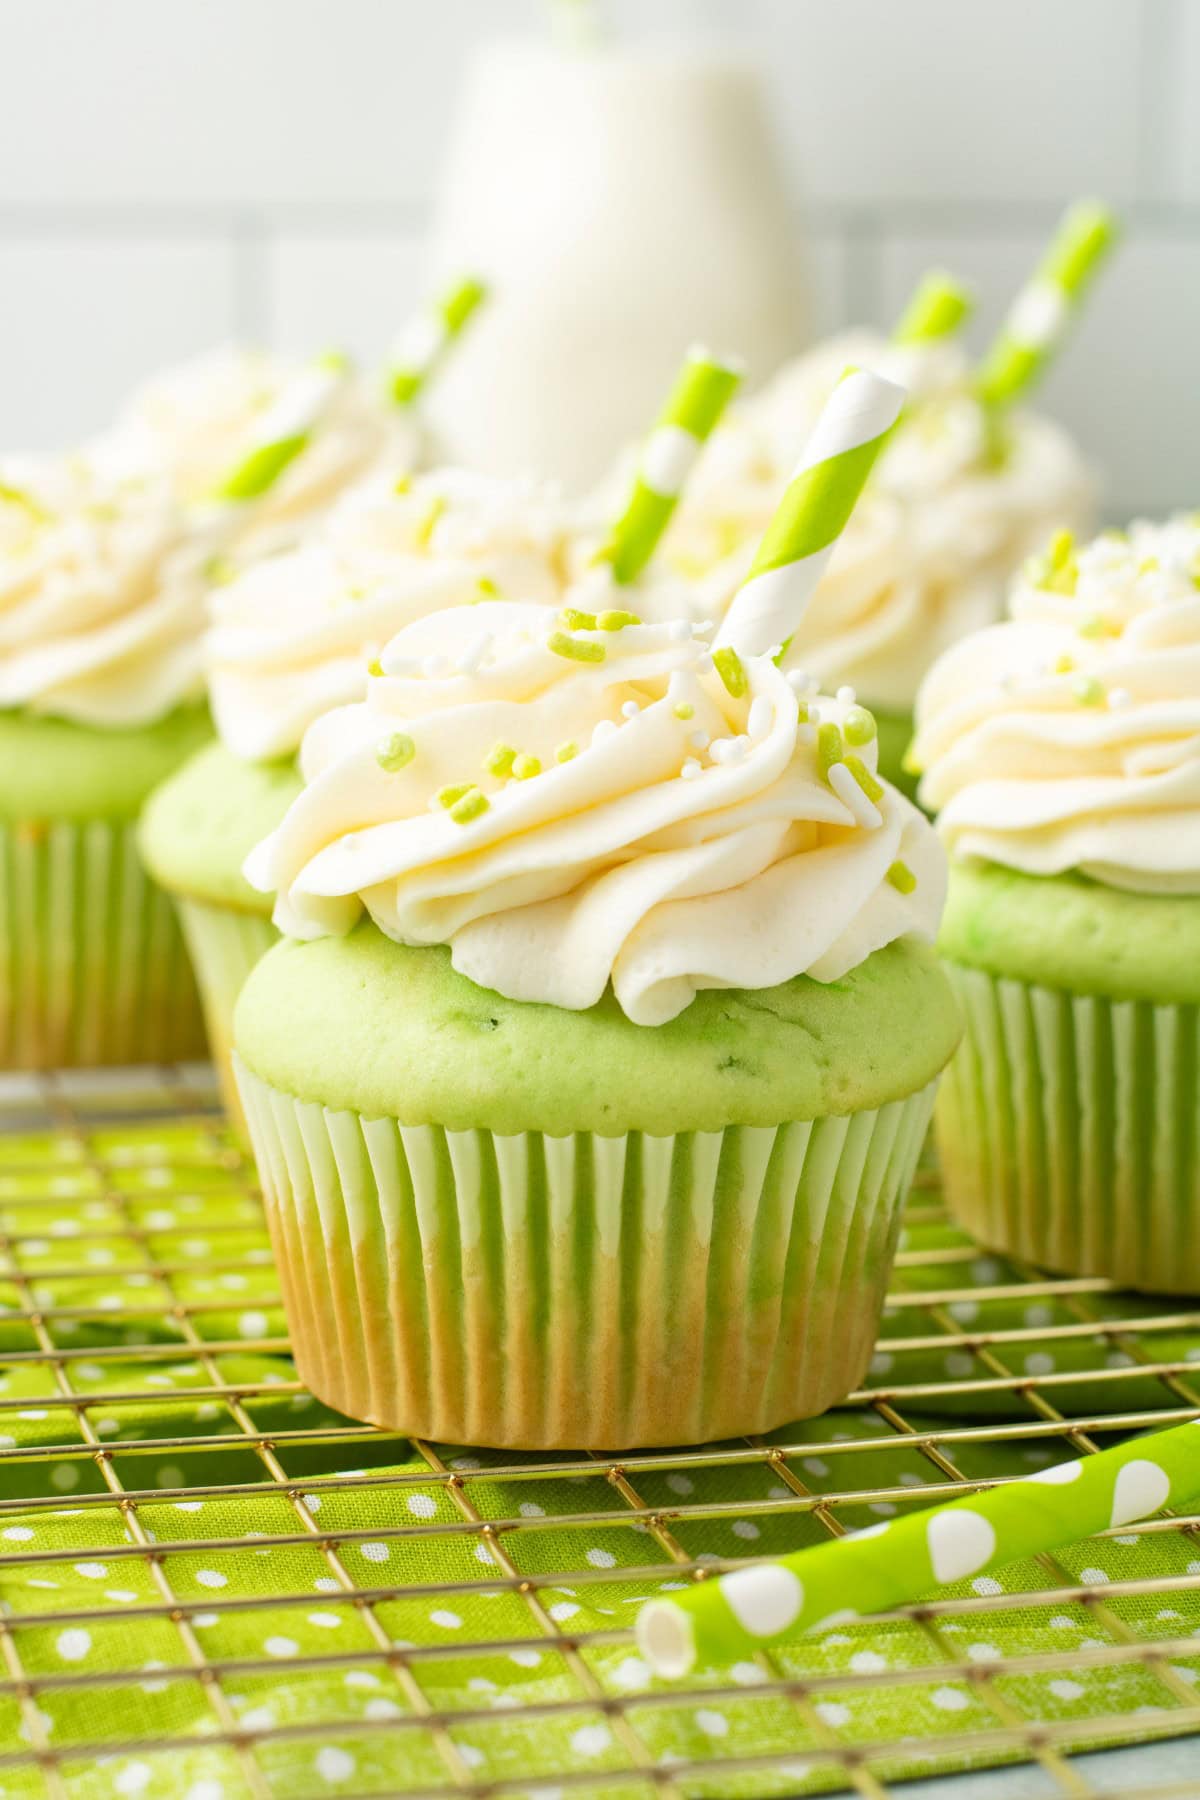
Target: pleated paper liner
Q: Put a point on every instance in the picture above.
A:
(585, 1292)
(93, 968)
(224, 943)
(1069, 1131)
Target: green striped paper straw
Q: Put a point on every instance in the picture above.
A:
(937, 309)
(702, 390)
(1042, 312)
(424, 341)
(902, 1560)
(812, 515)
(285, 428)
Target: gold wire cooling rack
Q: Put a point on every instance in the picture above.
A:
(982, 1367)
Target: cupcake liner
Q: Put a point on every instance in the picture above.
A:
(92, 964)
(1069, 1131)
(594, 1292)
(224, 944)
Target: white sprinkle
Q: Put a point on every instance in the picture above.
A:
(865, 811)
(704, 665)
(630, 709)
(797, 680)
(604, 729)
(702, 627)
(775, 650)
(679, 631)
(474, 654)
(846, 696)
(699, 740)
(691, 769)
(1119, 697)
(814, 713)
(434, 667)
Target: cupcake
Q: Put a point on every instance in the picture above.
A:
(589, 1078)
(968, 487)
(1061, 752)
(101, 695)
(291, 637)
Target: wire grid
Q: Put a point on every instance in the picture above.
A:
(78, 1110)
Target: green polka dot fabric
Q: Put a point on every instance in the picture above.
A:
(213, 1587)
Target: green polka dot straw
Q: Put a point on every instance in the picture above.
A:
(702, 390)
(898, 1562)
(1042, 312)
(812, 515)
(425, 340)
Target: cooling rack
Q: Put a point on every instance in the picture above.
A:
(212, 1586)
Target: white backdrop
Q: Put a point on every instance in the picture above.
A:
(174, 172)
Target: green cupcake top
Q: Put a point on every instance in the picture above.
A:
(377, 1028)
(56, 769)
(199, 827)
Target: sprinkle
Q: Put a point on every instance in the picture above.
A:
(684, 710)
(728, 750)
(813, 712)
(690, 769)
(859, 726)
(566, 752)
(1088, 691)
(700, 740)
(1064, 665)
(846, 696)
(473, 803)
(829, 748)
(902, 878)
(702, 627)
(797, 680)
(374, 667)
(872, 788)
(575, 649)
(218, 571)
(761, 714)
(630, 709)
(679, 631)
(574, 620)
(396, 752)
(703, 665)
(434, 667)
(775, 652)
(1119, 697)
(402, 484)
(499, 760)
(853, 797)
(604, 729)
(802, 713)
(428, 524)
(616, 620)
(730, 668)
(487, 587)
(1057, 570)
(468, 663)
(450, 796)
(525, 767)
(1097, 626)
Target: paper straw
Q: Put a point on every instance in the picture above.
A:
(285, 428)
(702, 390)
(902, 1560)
(937, 309)
(812, 515)
(424, 341)
(1044, 309)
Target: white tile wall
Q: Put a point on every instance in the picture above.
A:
(171, 173)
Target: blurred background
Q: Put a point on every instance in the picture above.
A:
(175, 173)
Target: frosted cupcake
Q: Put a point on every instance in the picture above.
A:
(101, 695)
(291, 637)
(1062, 754)
(588, 1082)
(969, 486)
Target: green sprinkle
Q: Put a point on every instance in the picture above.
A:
(909, 763)
(829, 748)
(802, 711)
(902, 878)
(1057, 570)
(374, 667)
(395, 752)
(15, 496)
(730, 668)
(336, 361)
(525, 767)
(1097, 626)
(402, 484)
(866, 781)
(860, 727)
(219, 570)
(1064, 665)
(574, 620)
(616, 620)
(684, 710)
(575, 649)
(450, 796)
(566, 752)
(1149, 565)
(487, 587)
(261, 468)
(1088, 691)
(425, 530)
(499, 760)
(472, 804)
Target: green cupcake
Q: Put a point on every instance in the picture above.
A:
(291, 636)
(1062, 753)
(596, 1131)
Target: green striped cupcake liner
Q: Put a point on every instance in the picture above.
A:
(1068, 1127)
(535, 1292)
(224, 944)
(93, 968)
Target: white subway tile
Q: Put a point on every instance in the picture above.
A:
(349, 290)
(85, 320)
(233, 101)
(1126, 383)
(1180, 74)
(995, 100)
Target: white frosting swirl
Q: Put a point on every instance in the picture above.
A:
(101, 594)
(292, 635)
(663, 835)
(1069, 736)
(928, 550)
